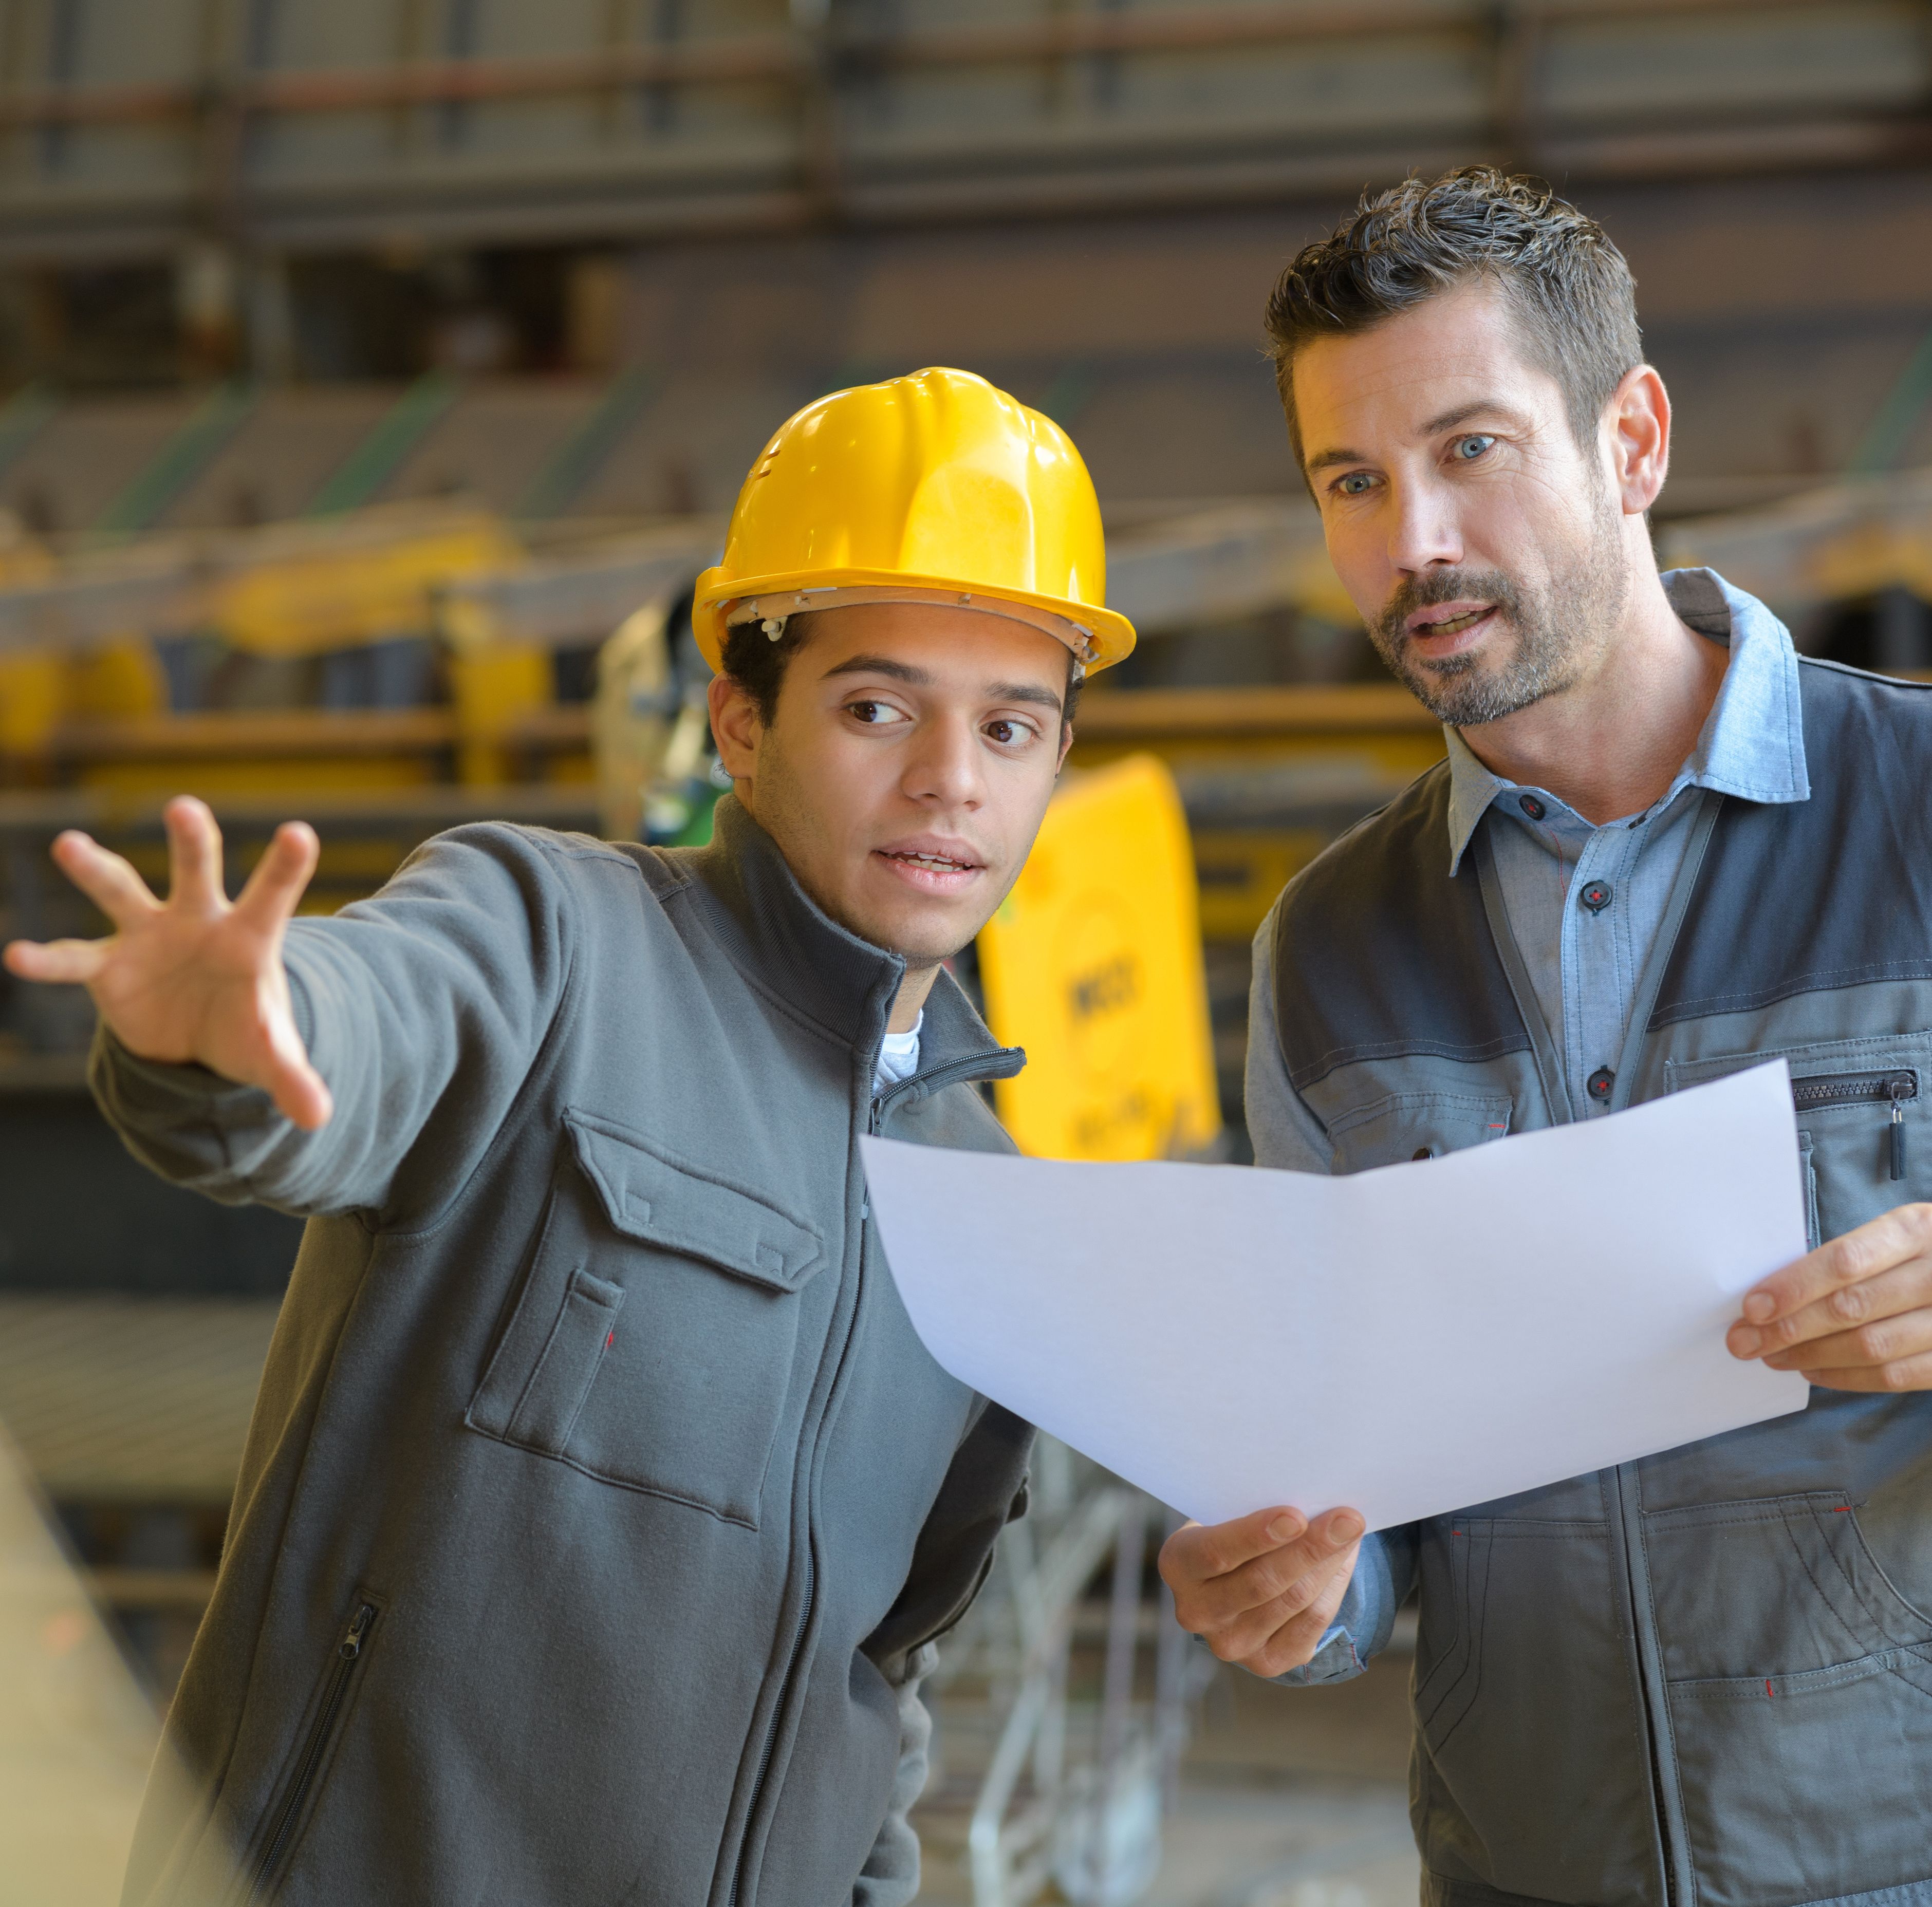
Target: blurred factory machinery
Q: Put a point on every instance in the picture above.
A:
(575, 259)
(374, 377)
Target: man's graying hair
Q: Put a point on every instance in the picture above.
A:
(1572, 295)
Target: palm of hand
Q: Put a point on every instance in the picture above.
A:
(198, 979)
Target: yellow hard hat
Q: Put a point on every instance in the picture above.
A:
(934, 488)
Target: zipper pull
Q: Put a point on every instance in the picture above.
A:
(1896, 1089)
(352, 1641)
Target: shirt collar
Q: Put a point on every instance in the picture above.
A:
(1752, 744)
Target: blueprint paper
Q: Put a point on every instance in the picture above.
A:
(1409, 1341)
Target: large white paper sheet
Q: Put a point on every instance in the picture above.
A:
(1409, 1341)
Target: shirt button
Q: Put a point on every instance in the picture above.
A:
(1597, 895)
(1531, 806)
(1599, 1084)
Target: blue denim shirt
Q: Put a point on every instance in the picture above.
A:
(1585, 903)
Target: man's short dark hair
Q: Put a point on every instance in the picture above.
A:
(757, 664)
(1572, 295)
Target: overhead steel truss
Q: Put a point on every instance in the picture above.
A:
(285, 125)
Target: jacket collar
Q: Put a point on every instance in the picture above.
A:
(1752, 744)
(789, 944)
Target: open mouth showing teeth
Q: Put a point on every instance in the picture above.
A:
(938, 863)
(1455, 625)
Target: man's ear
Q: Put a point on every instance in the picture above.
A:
(1639, 420)
(735, 727)
(1065, 742)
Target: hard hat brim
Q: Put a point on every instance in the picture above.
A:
(1112, 634)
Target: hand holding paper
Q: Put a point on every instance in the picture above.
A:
(1855, 1315)
(1262, 1589)
(1406, 1342)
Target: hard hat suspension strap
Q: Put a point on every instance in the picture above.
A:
(772, 612)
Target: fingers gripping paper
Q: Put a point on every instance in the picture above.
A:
(1409, 1341)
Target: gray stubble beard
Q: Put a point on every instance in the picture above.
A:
(1561, 628)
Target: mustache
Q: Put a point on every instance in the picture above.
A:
(1445, 585)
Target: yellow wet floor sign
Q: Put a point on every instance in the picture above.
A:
(1093, 964)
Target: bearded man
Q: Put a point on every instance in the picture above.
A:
(1663, 847)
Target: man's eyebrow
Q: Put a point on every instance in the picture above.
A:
(918, 678)
(880, 665)
(1462, 414)
(1447, 421)
(1023, 691)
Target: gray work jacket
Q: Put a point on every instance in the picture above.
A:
(1706, 1677)
(599, 1500)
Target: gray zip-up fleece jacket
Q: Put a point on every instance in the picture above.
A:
(600, 1499)
(1704, 1679)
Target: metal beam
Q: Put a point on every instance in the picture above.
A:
(820, 173)
(749, 57)
(787, 57)
(564, 601)
(22, 418)
(1233, 29)
(581, 454)
(188, 452)
(382, 452)
(1896, 417)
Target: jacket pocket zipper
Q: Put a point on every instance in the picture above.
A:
(1894, 1088)
(348, 1654)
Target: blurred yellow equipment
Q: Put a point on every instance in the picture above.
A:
(1093, 964)
(331, 588)
(934, 487)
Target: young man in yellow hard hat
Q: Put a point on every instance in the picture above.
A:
(601, 1507)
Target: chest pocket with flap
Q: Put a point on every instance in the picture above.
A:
(652, 1343)
(1402, 1126)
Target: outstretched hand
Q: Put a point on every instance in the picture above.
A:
(198, 978)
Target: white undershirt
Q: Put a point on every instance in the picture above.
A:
(899, 1057)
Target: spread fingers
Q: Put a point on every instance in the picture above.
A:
(281, 875)
(72, 963)
(194, 856)
(110, 883)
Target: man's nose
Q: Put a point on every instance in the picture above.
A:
(1424, 532)
(943, 770)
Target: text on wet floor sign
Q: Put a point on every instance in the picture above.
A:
(1093, 965)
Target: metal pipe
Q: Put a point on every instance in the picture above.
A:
(790, 58)
(1118, 1688)
(1229, 29)
(742, 58)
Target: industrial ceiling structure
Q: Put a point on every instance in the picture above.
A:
(582, 256)
(139, 126)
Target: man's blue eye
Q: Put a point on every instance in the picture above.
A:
(1469, 448)
(1354, 483)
